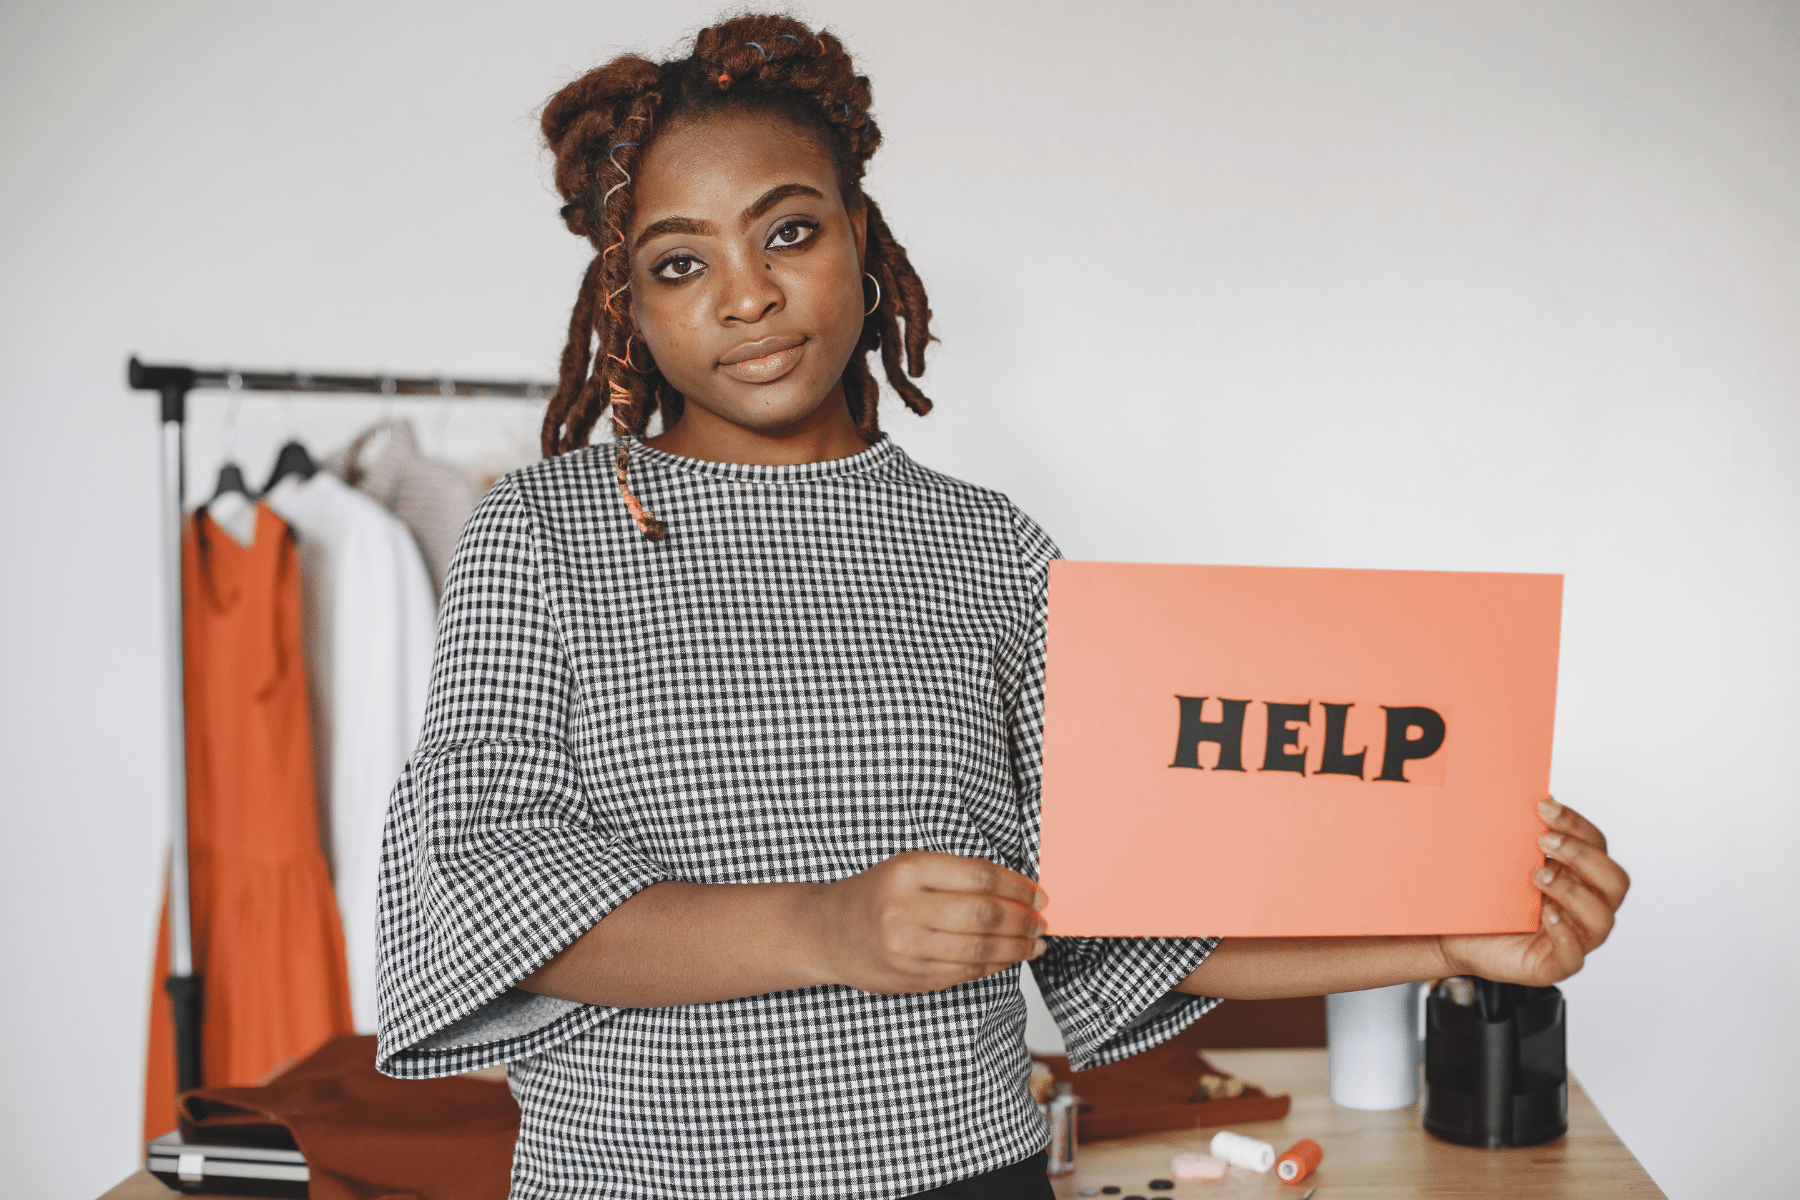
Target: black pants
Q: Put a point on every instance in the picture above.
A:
(1024, 1180)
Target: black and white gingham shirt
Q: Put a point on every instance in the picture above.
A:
(822, 666)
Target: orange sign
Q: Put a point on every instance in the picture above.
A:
(1278, 752)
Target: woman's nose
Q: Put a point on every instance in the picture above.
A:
(750, 292)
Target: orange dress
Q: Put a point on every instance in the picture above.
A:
(267, 942)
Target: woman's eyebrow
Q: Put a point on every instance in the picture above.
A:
(774, 196)
(673, 225)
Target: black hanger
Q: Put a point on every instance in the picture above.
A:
(293, 460)
(231, 479)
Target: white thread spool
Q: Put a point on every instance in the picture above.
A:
(1373, 1041)
(1241, 1151)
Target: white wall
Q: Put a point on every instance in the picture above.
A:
(1406, 284)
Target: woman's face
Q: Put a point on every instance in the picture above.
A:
(746, 275)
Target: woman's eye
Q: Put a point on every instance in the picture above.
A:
(791, 234)
(680, 267)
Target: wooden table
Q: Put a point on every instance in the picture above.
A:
(1382, 1154)
(1385, 1154)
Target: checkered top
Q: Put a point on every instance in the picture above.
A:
(823, 666)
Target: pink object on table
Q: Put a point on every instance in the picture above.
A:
(1198, 1166)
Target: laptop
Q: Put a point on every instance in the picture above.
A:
(229, 1170)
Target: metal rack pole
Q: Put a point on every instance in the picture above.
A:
(250, 379)
(182, 983)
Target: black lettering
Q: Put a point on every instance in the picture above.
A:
(1227, 732)
(1282, 734)
(1402, 749)
(1333, 760)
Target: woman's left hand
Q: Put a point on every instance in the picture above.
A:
(1583, 888)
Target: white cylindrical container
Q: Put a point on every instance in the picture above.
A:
(1373, 1038)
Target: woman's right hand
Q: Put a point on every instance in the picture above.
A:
(924, 922)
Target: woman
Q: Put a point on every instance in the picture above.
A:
(723, 827)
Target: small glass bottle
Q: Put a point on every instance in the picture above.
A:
(1062, 1129)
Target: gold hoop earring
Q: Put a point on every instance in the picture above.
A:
(877, 284)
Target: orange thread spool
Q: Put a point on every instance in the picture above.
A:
(1298, 1160)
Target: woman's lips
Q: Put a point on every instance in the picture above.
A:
(764, 361)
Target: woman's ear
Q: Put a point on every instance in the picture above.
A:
(859, 225)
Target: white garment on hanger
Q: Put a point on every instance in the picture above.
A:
(235, 513)
(368, 620)
(433, 498)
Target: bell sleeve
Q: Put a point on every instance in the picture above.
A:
(493, 858)
(1111, 997)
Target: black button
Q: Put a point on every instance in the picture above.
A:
(1109, 1190)
(1162, 1185)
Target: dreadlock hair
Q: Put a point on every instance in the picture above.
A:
(599, 126)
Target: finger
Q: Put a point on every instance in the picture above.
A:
(1589, 912)
(980, 971)
(953, 873)
(967, 913)
(968, 949)
(1563, 955)
(1563, 819)
(1589, 863)
(937, 977)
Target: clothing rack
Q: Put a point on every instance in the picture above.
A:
(174, 383)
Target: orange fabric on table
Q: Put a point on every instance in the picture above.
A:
(267, 941)
(367, 1136)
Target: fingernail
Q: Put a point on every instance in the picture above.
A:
(1551, 916)
(1040, 899)
(1042, 925)
(1038, 947)
(1549, 809)
(1543, 877)
(1550, 841)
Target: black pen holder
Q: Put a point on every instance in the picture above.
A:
(1496, 1073)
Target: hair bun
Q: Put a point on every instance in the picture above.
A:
(599, 91)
